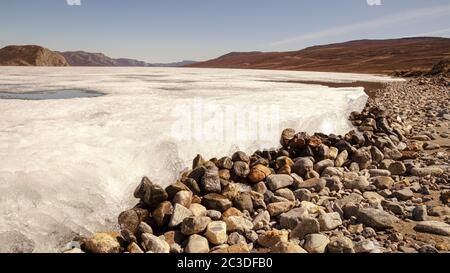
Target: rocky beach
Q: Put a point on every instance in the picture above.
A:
(382, 188)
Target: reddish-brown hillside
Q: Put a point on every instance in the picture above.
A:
(363, 56)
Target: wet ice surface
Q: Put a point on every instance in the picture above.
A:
(69, 166)
(50, 95)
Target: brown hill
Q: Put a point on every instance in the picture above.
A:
(363, 56)
(30, 55)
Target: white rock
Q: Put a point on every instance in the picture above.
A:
(216, 232)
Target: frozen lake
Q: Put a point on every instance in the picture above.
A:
(69, 165)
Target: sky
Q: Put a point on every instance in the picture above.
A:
(174, 30)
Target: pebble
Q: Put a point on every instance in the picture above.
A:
(420, 213)
(225, 163)
(279, 181)
(240, 169)
(307, 226)
(179, 214)
(313, 183)
(194, 225)
(102, 243)
(379, 172)
(341, 244)
(434, 227)
(261, 220)
(213, 214)
(278, 208)
(172, 189)
(198, 210)
(235, 239)
(320, 166)
(210, 182)
(341, 159)
(329, 221)
(154, 244)
(240, 248)
(367, 246)
(375, 218)
(316, 243)
(383, 182)
(429, 171)
(183, 198)
(151, 194)
(397, 168)
(216, 202)
(240, 156)
(360, 183)
(404, 194)
(216, 232)
(129, 219)
(197, 244)
(163, 213)
(259, 173)
(272, 237)
(287, 247)
(243, 202)
(302, 166)
(290, 219)
(238, 224)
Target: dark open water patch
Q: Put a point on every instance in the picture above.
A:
(50, 95)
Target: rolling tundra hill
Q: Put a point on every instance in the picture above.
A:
(362, 56)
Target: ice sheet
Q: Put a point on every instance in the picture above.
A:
(69, 166)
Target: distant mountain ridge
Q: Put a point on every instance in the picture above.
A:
(82, 58)
(33, 55)
(361, 56)
(175, 64)
(30, 55)
(406, 56)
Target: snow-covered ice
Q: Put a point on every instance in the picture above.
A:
(69, 166)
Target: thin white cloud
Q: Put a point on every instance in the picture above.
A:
(435, 32)
(371, 24)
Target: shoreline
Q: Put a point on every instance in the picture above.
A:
(370, 88)
(384, 189)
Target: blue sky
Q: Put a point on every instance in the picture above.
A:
(172, 30)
